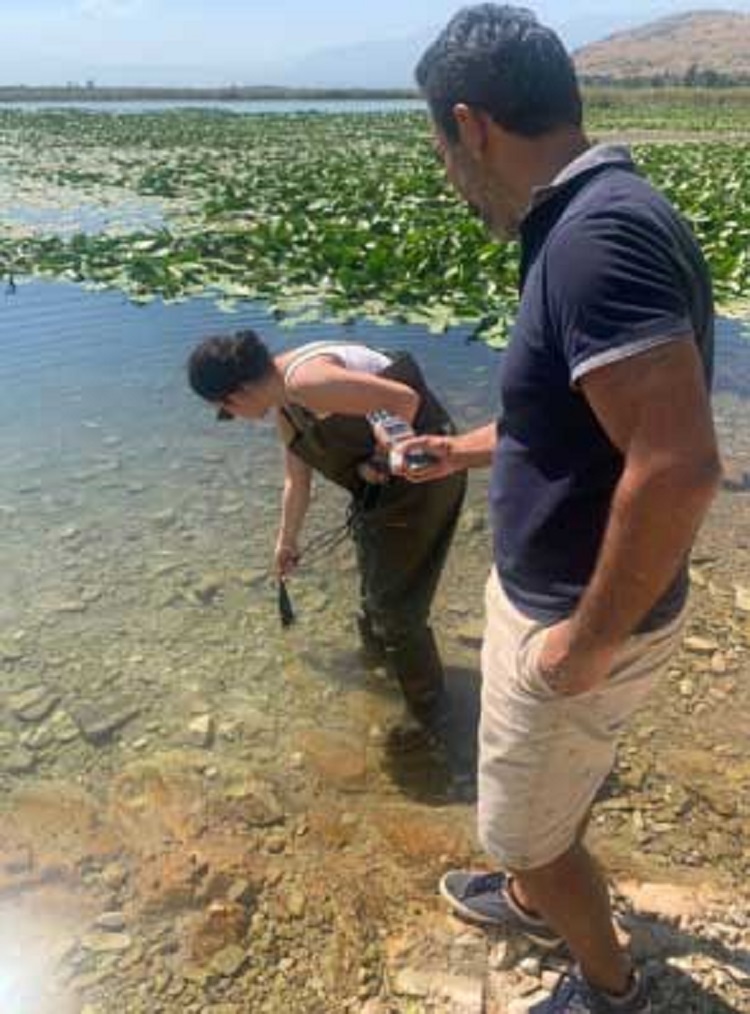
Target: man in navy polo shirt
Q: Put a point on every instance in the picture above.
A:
(604, 462)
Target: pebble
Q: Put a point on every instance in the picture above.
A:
(229, 962)
(201, 731)
(701, 645)
(104, 942)
(34, 704)
(98, 721)
(111, 922)
(19, 761)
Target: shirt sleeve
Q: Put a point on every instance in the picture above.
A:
(614, 290)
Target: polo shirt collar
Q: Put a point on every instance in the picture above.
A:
(596, 157)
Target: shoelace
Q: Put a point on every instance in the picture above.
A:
(488, 883)
(571, 995)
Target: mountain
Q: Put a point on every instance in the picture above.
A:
(698, 46)
(389, 63)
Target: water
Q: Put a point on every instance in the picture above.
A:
(250, 107)
(137, 533)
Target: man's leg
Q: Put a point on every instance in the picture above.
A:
(542, 760)
(572, 896)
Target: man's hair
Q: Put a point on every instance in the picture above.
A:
(221, 364)
(501, 60)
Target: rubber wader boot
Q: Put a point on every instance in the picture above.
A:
(372, 647)
(414, 661)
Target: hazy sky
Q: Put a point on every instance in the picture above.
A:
(246, 41)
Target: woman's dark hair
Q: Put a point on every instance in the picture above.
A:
(501, 60)
(221, 364)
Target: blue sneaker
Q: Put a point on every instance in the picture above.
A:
(486, 899)
(573, 995)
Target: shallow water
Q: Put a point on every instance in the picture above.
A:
(137, 533)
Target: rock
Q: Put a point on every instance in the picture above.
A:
(164, 519)
(473, 522)
(531, 966)
(114, 876)
(106, 943)
(701, 645)
(98, 721)
(664, 900)
(241, 892)
(523, 1004)
(742, 598)
(111, 922)
(646, 939)
(34, 704)
(338, 760)
(229, 962)
(201, 731)
(735, 476)
(296, 904)
(472, 631)
(18, 761)
(719, 664)
(10, 653)
(253, 577)
(222, 925)
(207, 590)
(255, 803)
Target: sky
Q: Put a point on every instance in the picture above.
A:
(219, 42)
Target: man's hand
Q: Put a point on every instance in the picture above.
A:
(568, 669)
(286, 558)
(440, 448)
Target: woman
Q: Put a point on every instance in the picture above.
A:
(322, 395)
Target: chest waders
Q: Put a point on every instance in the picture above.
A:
(402, 532)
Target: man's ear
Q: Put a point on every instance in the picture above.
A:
(473, 128)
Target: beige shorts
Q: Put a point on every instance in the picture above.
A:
(543, 757)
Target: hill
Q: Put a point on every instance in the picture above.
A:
(699, 47)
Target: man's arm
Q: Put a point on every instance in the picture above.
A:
(655, 409)
(473, 449)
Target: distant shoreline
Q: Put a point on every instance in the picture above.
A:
(20, 93)
(594, 91)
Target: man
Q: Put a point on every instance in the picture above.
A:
(604, 463)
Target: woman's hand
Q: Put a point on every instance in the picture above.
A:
(286, 557)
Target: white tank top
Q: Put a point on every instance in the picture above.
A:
(349, 355)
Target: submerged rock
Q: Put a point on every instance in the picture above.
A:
(99, 721)
(34, 704)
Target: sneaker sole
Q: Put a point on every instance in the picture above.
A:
(469, 915)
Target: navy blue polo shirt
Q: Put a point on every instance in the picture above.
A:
(608, 271)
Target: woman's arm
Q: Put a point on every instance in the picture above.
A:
(295, 501)
(324, 386)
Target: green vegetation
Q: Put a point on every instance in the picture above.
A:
(339, 216)
(232, 93)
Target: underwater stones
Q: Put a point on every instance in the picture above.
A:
(229, 962)
(205, 591)
(223, 924)
(100, 720)
(201, 731)
(10, 652)
(34, 704)
(254, 802)
(17, 761)
(337, 759)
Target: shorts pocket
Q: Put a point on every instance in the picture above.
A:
(528, 674)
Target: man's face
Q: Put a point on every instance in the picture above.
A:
(484, 191)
